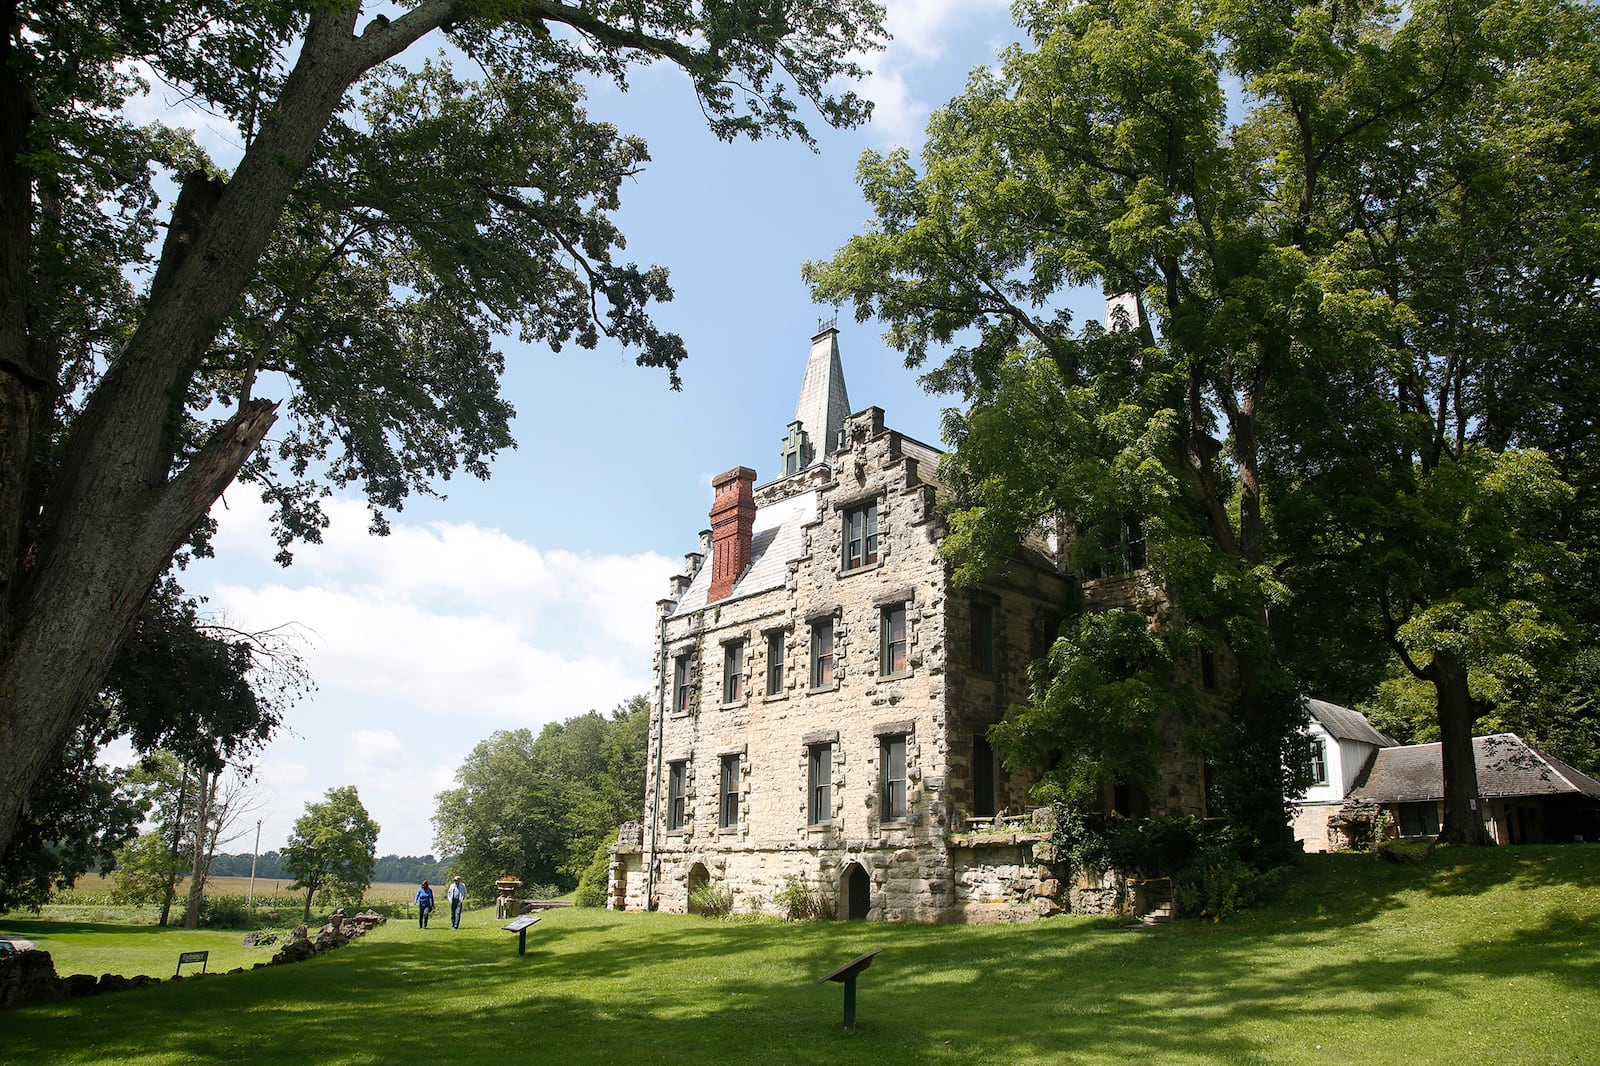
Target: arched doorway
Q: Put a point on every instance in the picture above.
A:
(855, 892)
(699, 878)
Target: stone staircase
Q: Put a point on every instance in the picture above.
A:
(1150, 902)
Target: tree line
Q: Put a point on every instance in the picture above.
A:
(269, 865)
(539, 807)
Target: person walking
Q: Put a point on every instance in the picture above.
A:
(458, 899)
(424, 905)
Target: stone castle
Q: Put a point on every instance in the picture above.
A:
(823, 693)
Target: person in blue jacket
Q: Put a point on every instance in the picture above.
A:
(424, 905)
(458, 899)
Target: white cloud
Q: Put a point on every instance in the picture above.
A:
(421, 644)
(452, 617)
(925, 29)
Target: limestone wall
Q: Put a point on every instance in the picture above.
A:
(773, 732)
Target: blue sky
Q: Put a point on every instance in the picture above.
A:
(529, 598)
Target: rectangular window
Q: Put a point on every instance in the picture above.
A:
(1319, 763)
(733, 672)
(682, 683)
(775, 651)
(1208, 668)
(822, 653)
(677, 787)
(982, 638)
(892, 640)
(861, 536)
(892, 770)
(983, 778)
(819, 784)
(728, 814)
(1419, 819)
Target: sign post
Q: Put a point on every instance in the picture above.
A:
(520, 926)
(846, 975)
(192, 956)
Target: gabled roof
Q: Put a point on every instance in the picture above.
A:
(777, 537)
(1508, 766)
(1344, 724)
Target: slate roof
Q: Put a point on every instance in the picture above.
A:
(1508, 766)
(777, 537)
(1344, 724)
(824, 403)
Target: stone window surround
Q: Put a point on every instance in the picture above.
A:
(883, 732)
(821, 738)
(832, 616)
(685, 671)
(782, 633)
(905, 599)
(727, 643)
(686, 817)
(844, 508)
(741, 787)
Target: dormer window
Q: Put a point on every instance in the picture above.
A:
(796, 450)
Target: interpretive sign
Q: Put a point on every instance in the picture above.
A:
(846, 975)
(520, 927)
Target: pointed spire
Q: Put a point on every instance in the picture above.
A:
(823, 405)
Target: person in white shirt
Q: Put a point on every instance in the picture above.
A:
(458, 899)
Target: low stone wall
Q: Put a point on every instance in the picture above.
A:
(29, 978)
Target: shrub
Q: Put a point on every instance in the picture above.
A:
(227, 912)
(1082, 841)
(534, 890)
(594, 884)
(803, 902)
(715, 901)
(1154, 847)
(1219, 886)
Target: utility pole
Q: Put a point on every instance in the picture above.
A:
(253, 856)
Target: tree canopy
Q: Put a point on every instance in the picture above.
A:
(341, 285)
(537, 807)
(332, 849)
(1347, 395)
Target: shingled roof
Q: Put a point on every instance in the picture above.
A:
(1508, 766)
(1344, 724)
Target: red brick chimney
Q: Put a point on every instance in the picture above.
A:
(733, 517)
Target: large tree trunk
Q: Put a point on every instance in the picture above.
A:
(173, 849)
(1458, 712)
(79, 562)
(198, 868)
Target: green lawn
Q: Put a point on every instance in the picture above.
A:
(1480, 957)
